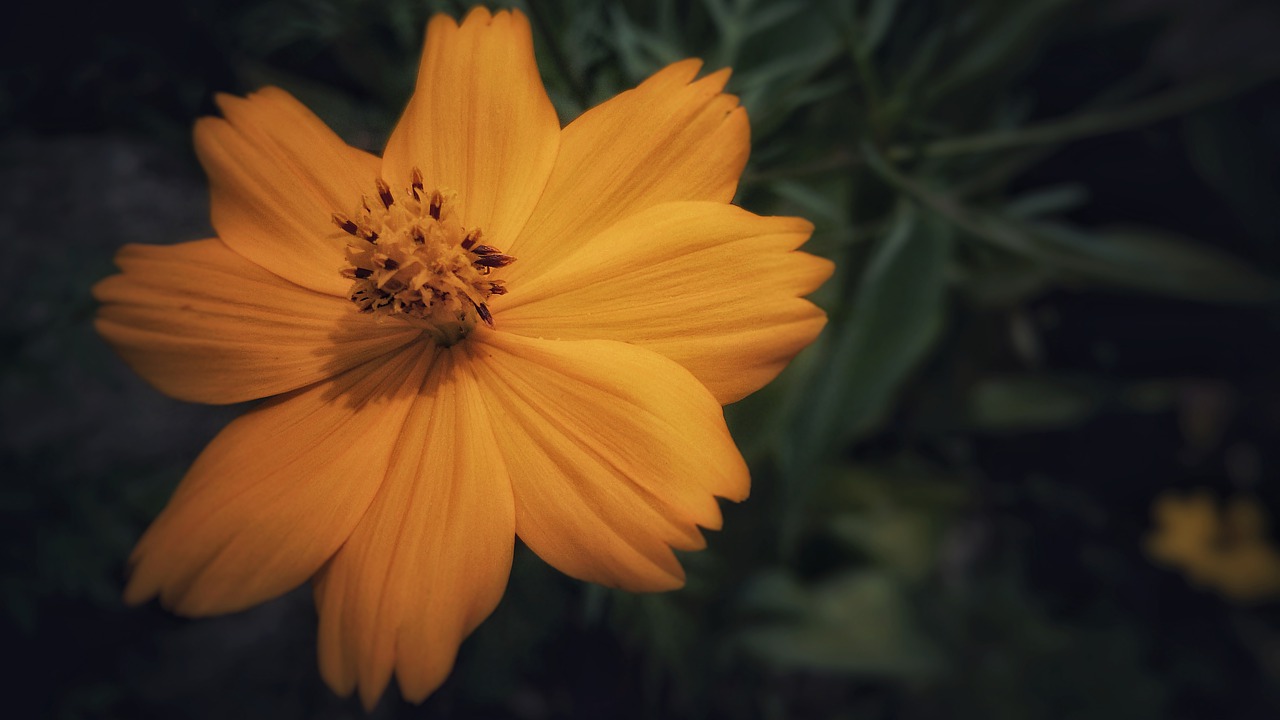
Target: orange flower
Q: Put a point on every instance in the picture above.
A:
(500, 328)
(1224, 549)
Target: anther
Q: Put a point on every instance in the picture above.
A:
(345, 223)
(384, 193)
(410, 257)
(437, 201)
(415, 184)
(494, 261)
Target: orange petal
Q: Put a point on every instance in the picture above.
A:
(276, 493)
(430, 559)
(615, 453)
(667, 139)
(202, 323)
(711, 286)
(277, 175)
(479, 123)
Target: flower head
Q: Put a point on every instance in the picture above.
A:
(500, 328)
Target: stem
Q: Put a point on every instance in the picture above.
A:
(941, 204)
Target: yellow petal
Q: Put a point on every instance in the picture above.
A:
(667, 139)
(202, 323)
(277, 175)
(615, 454)
(711, 286)
(480, 123)
(276, 493)
(430, 559)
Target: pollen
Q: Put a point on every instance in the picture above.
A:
(410, 258)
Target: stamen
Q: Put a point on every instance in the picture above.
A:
(384, 193)
(414, 261)
(345, 223)
(495, 261)
(415, 184)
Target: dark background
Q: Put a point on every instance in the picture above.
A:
(952, 488)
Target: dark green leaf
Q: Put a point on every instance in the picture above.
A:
(857, 623)
(897, 312)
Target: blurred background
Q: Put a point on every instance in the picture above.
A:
(1023, 474)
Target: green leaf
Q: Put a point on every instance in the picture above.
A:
(1030, 403)
(876, 24)
(1047, 201)
(1236, 158)
(901, 542)
(826, 201)
(893, 512)
(858, 623)
(897, 313)
(1154, 261)
(1005, 37)
(1141, 259)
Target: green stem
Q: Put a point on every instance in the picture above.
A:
(944, 205)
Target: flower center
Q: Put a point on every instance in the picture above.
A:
(409, 257)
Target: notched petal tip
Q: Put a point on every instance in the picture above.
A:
(681, 72)
(671, 138)
(430, 557)
(711, 286)
(797, 225)
(205, 129)
(822, 271)
(135, 593)
(625, 475)
(480, 121)
(666, 581)
(230, 104)
(713, 83)
(481, 15)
